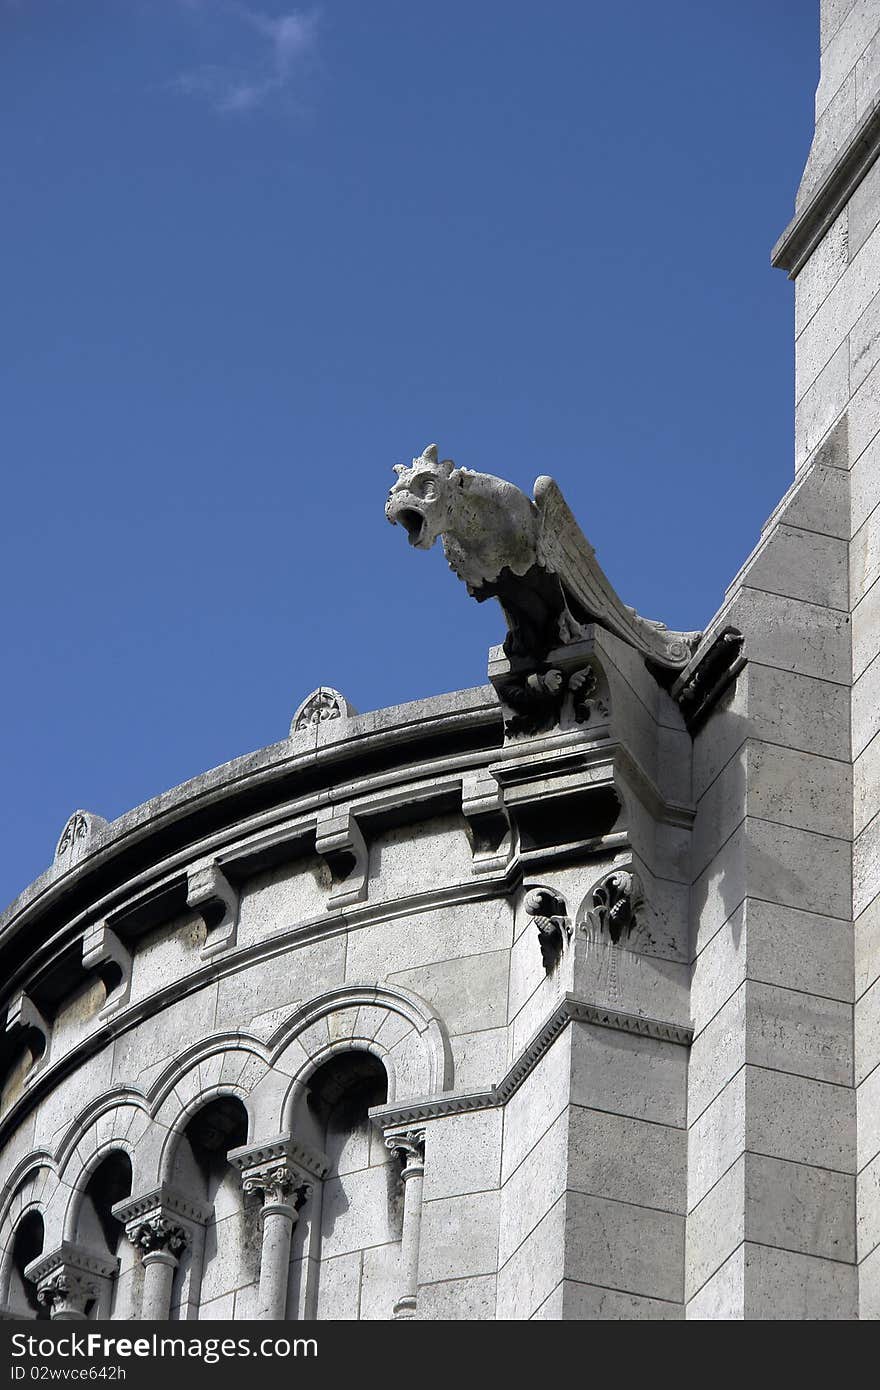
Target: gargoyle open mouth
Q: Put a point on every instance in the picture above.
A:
(413, 523)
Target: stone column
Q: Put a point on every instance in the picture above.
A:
(160, 1224)
(409, 1146)
(282, 1171)
(284, 1191)
(161, 1241)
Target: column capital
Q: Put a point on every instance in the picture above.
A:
(409, 1146)
(69, 1278)
(280, 1183)
(159, 1233)
(283, 1170)
(161, 1220)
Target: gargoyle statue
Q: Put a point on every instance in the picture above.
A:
(530, 555)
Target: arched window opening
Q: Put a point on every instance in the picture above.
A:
(346, 1254)
(223, 1261)
(99, 1232)
(27, 1244)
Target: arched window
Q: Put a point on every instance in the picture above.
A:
(346, 1250)
(98, 1231)
(224, 1258)
(20, 1295)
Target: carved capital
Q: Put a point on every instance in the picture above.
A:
(68, 1293)
(278, 1183)
(69, 1278)
(158, 1232)
(409, 1147)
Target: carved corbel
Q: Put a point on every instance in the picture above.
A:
(210, 893)
(104, 953)
(548, 910)
(482, 805)
(615, 904)
(340, 843)
(25, 1018)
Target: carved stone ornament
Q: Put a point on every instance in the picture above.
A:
(77, 835)
(69, 1278)
(68, 1291)
(529, 555)
(323, 704)
(616, 901)
(278, 1183)
(717, 669)
(158, 1233)
(538, 698)
(548, 910)
(409, 1147)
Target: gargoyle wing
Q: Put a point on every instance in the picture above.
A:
(564, 550)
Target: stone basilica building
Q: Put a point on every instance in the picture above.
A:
(556, 998)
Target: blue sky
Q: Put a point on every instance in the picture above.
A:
(254, 255)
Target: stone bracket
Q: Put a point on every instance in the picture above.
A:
(103, 952)
(210, 893)
(340, 843)
(23, 1016)
(489, 829)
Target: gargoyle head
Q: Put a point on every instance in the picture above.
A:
(419, 500)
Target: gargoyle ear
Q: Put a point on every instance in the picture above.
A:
(447, 466)
(430, 454)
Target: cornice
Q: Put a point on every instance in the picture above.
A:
(71, 1256)
(807, 228)
(570, 1009)
(364, 736)
(283, 1149)
(165, 1201)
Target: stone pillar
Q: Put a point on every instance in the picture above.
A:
(282, 1172)
(69, 1279)
(283, 1193)
(409, 1146)
(161, 1240)
(160, 1224)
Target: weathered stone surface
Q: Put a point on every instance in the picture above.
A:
(624, 1247)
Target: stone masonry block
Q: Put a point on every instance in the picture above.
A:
(632, 1160)
(628, 1074)
(624, 1247)
(801, 564)
(459, 1237)
(867, 947)
(588, 1303)
(867, 1032)
(820, 405)
(868, 1208)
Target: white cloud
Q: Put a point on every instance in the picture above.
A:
(284, 44)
